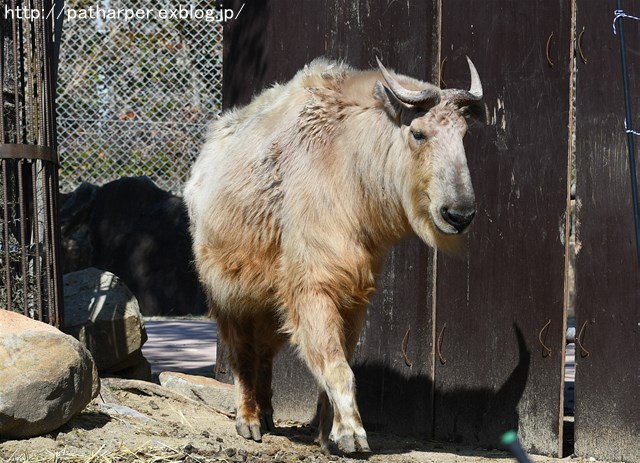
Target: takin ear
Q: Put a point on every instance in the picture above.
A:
(475, 113)
(389, 101)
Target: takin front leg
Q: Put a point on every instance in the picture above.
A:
(319, 332)
(353, 320)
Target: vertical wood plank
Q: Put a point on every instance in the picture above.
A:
(607, 409)
(504, 299)
(270, 42)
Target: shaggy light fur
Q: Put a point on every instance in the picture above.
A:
(293, 201)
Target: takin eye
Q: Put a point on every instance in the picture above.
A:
(418, 136)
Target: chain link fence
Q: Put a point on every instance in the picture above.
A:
(135, 94)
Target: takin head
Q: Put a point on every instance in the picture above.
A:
(437, 194)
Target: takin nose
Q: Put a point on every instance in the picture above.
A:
(459, 219)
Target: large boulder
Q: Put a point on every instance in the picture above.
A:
(140, 233)
(46, 377)
(102, 313)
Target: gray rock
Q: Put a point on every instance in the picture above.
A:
(45, 377)
(103, 314)
(123, 410)
(207, 390)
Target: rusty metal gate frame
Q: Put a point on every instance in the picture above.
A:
(29, 233)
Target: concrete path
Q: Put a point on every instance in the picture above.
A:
(569, 376)
(187, 346)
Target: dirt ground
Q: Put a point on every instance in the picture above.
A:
(133, 421)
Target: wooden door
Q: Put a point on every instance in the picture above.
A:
(607, 391)
(500, 324)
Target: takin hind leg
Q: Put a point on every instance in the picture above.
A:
(319, 331)
(268, 340)
(252, 342)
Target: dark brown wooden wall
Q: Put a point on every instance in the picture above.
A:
(607, 401)
(498, 299)
(484, 335)
(272, 40)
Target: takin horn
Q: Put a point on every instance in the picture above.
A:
(426, 97)
(462, 98)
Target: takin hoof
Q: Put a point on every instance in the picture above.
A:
(345, 446)
(353, 444)
(346, 443)
(253, 430)
(248, 430)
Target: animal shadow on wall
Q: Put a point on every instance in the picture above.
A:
(393, 402)
(481, 414)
